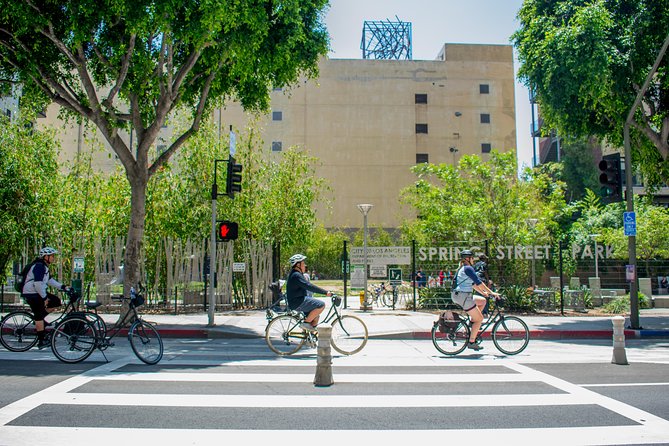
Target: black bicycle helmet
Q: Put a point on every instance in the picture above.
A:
(466, 253)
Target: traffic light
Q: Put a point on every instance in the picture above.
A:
(611, 178)
(227, 230)
(234, 180)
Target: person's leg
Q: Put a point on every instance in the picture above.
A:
(313, 315)
(476, 318)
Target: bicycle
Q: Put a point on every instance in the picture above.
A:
(285, 336)
(509, 333)
(384, 294)
(75, 338)
(18, 332)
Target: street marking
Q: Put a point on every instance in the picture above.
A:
(624, 385)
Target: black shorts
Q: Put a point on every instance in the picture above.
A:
(38, 307)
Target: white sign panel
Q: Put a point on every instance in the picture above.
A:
(78, 264)
(378, 271)
(239, 267)
(357, 276)
(382, 255)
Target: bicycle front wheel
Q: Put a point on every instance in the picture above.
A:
(73, 340)
(510, 335)
(284, 336)
(453, 341)
(146, 342)
(17, 331)
(349, 335)
(390, 298)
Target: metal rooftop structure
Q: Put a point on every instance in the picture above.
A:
(386, 40)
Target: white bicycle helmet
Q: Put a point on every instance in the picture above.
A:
(46, 251)
(297, 258)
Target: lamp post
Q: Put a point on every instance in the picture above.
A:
(533, 222)
(365, 208)
(594, 238)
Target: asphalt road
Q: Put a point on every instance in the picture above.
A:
(204, 391)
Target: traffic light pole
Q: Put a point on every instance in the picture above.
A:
(212, 249)
(631, 243)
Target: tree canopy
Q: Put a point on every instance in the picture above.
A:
(586, 61)
(130, 64)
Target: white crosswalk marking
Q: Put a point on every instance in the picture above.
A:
(643, 427)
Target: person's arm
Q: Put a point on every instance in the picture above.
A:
(56, 284)
(303, 283)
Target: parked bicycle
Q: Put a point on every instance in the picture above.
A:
(285, 336)
(18, 332)
(385, 294)
(75, 338)
(450, 333)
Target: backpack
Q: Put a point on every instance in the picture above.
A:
(448, 321)
(21, 278)
(454, 280)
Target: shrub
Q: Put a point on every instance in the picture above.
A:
(518, 298)
(622, 304)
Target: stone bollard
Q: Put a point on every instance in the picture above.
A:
(619, 356)
(323, 376)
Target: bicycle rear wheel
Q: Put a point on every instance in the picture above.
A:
(17, 331)
(390, 298)
(73, 340)
(453, 341)
(95, 320)
(510, 335)
(284, 336)
(146, 342)
(349, 335)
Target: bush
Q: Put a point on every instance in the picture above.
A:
(518, 298)
(436, 298)
(622, 304)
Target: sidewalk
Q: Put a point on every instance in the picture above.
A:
(401, 324)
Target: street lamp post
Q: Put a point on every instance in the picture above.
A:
(365, 208)
(594, 238)
(533, 222)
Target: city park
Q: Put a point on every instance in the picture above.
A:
(152, 217)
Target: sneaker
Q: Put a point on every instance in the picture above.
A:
(474, 346)
(307, 326)
(42, 344)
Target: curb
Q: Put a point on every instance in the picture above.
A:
(214, 333)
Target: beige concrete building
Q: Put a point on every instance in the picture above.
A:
(370, 121)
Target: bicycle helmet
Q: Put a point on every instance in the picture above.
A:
(466, 253)
(297, 258)
(46, 251)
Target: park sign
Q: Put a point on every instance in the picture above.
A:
(382, 255)
(507, 252)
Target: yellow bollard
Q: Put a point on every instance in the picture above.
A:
(362, 299)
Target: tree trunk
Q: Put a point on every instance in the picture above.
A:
(134, 243)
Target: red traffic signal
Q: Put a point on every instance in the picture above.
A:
(227, 230)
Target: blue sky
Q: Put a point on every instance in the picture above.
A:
(435, 22)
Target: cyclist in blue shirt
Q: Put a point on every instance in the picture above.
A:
(35, 291)
(296, 293)
(466, 281)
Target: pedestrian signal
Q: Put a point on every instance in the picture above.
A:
(227, 230)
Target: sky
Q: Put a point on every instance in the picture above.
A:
(435, 22)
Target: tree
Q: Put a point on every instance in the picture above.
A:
(586, 62)
(27, 170)
(130, 64)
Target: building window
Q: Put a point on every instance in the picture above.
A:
(485, 118)
(421, 98)
(422, 158)
(421, 128)
(276, 146)
(484, 88)
(277, 116)
(486, 147)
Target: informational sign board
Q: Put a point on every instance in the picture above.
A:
(357, 276)
(382, 255)
(239, 267)
(629, 221)
(395, 276)
(378, 271)
(78, 264)
(630, 273)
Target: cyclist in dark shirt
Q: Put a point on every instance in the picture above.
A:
(296, 293)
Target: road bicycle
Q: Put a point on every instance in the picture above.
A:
(384, 294)
(18, 332)
(76, 338)
(284, 334)
(450, 333)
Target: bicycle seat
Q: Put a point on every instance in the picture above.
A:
(93, 305)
